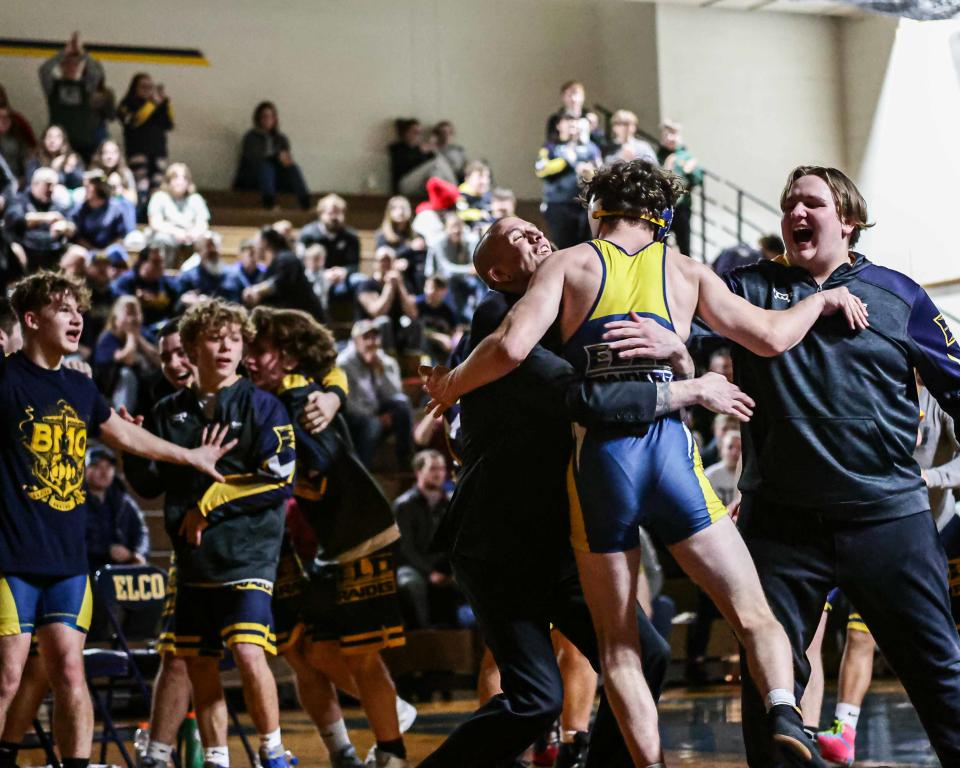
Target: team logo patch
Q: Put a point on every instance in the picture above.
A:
(58, 443)
(779, 295)
(945, 330)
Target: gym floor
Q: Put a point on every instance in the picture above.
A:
(700, 728)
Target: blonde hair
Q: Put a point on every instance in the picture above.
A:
(851, 207)
(212, 315)
(118, 309)
(328, 200)
(625, 116)
(390, 233)
(176, 169)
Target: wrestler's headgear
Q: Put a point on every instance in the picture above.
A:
(662, 223)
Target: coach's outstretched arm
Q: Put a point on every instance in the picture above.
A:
(123, 435)
(508, 346)
(767, 332)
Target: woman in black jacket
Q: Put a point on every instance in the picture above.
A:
(266, 163)
(147, 117)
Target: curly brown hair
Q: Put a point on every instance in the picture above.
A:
(637, 187)
(300, 336)
(34, 292)
(210, 316)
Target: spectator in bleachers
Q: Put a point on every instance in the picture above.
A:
(413, 161)
(721, 361)
(147, 118)
(456, 155)
(147, 281)
(266, 162)
(98, 281)
(438, 320)
(451, 257)
(315, 268)
(245, 272)
(12, 147)
(625, 146)
(740, 255)
(124, 356)
(116, 530)
(675, 157)
(207, 279)
(396, 231)
(725, 473)
(177, 213)
(120, 257)
(11, 338)
(722, 424)
(109, 159)
(423, 575)
(37, 225)
(55, 152)
(376, 404)
(503, 203)
(771, 247)
(21, 126)
(473, 206)
(560, 165)
(342, 243)
(573, 95)
(385, 299)
(442, 197)
(284, 284)
(71, 95)
(100, 219)
(73, 263)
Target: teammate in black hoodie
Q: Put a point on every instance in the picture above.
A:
(831, 493)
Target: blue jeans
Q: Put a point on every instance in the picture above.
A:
(368, 431)
(276, 177)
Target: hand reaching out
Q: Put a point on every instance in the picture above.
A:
(211, 450)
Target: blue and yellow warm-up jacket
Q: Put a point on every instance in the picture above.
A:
(246, 512)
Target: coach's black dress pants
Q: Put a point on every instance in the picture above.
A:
(894, 572)
(515, 611)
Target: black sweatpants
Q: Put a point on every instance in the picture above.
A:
(514, 613)
(894, 572)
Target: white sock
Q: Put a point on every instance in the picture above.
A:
(567, 737)
(160, 752)
(218, 756)
(847, 714)
(780, 696)
(271, 742)
(335, 736)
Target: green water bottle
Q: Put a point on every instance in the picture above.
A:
(189, 737)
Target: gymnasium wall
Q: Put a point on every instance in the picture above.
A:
(341, 71)
(902, 96)
(758, 93)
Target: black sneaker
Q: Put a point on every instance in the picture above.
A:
(790, 738)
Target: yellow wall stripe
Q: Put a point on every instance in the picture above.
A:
(146, 56)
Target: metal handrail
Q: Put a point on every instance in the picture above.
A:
(742, 195)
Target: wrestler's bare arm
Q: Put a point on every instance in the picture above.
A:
(508, 346)
(767, 332)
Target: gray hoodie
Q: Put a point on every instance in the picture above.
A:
(939, 457)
